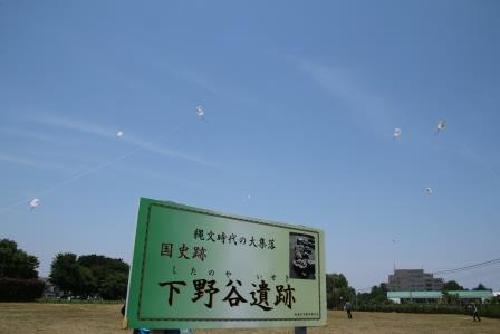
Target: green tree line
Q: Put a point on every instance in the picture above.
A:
(101, 276)
(90, 275)
(18, 273)
(84, 276)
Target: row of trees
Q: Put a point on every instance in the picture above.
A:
(453, 285)
(15, 262)
(18, 273)
(339, 292)
(93, 275)
(100, 276)
(88, 275)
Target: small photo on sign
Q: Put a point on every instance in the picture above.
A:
(302, 256)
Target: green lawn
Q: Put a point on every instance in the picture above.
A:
(91, 319)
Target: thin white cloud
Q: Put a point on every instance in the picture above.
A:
(145, 172)
(22, 133)
(31, 162)
(346, 86)
(190, 76)
(151, 147)
(100, 131)
(80, 126)
(213, 84)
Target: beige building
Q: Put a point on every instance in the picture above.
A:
(413, 280)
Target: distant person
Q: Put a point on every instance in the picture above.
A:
(475, 313)
(348, 309)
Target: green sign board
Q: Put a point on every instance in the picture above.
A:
(196, 268)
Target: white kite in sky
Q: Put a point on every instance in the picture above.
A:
(34, 203)
(119, 134)
(441, 126)
(200, 112)
(428, 190)
(397, 133)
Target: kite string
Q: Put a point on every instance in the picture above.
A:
(88, 171)
(71, 179)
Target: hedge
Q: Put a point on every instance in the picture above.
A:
(487, 310)
(78, 301)
(20, 290)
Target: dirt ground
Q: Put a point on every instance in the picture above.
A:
(86, 319)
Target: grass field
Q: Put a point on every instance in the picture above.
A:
(93, 319)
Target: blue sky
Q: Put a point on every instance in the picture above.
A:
(301, 100)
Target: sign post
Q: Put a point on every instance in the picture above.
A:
(195, 268)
